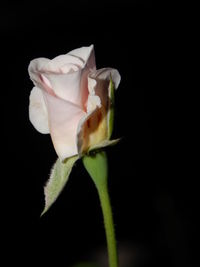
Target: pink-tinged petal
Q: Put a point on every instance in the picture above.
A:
(38, 111)
(60, 64)
(65, 76)
(71, 86)
(67, 86)
(65, 64)
(64, 118)
(86, 54)
(46, 85)
(35, 68)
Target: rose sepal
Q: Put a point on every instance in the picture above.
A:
(58, 178)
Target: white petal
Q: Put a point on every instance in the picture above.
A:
(98, 88)
(64, 85)
(64, 118)
(65, 64)
(36, 67)
(107, 73)
(66, 75)
(38, 111)
(93, 100)
(86, 54)
(67, 86)
(102, 78)
(57, 65)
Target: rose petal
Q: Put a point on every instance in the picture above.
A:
(65, 64)
(93, 129)
(64, 118)
(36, 67)
(105, 74)
(86, 54)
(57, 65)
(38, 111)
(65, 75)
(93, 100)
(67, 86)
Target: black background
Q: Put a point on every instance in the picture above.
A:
(154, 213)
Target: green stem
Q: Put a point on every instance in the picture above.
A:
(96, 166)
(109, 225)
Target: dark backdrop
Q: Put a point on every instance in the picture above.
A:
(154, 219)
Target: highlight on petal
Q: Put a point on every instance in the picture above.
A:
(93, 100)
(38, 111)
(64, 118)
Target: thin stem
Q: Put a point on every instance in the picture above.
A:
(97, 167)
(109, 225)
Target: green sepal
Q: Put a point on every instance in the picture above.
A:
(104, 144)
(58, 178)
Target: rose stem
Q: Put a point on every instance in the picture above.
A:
(96, 165)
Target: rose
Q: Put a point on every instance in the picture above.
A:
(71, 100)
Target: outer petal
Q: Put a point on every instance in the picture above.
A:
(93, 100)
(64, 118)
(94, 128)
(65, 64)
(65, 75)
(107, 80)
(86, 54)
(105, 74)
(38, 111)
(57, 65)
(46, 75)
(36, 67)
